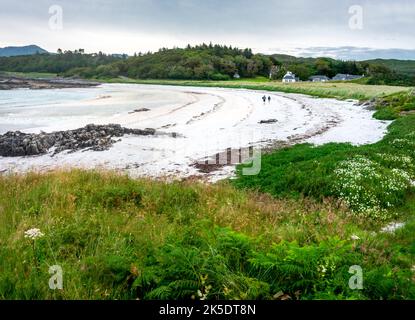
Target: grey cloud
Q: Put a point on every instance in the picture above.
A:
(259, 24)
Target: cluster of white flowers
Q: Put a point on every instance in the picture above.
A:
(326, 266)
(203, 294)
(33, 234)
(392, 227)
(368, 188)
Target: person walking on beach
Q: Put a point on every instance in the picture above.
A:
(269, 99)
(264, 98)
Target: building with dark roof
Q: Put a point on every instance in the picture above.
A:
(346, 77)
(319, 78)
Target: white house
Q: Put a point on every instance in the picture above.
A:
(289, 77)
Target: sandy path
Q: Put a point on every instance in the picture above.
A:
(210, 120)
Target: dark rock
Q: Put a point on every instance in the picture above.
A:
(32, 149)
(140, 110)
(268, 121)
(91, 137)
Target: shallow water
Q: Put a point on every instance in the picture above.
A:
(57, 109)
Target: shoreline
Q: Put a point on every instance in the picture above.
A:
(209, 120)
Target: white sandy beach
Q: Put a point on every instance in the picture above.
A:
(210, 120)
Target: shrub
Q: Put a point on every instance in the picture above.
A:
(387, 113)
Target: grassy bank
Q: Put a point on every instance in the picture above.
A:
(393, 106)
(338, 90)
(117, 238)
(292, 232)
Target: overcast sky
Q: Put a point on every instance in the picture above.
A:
(300, 27)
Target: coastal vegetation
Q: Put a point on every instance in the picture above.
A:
(292, 232)
(297, 230)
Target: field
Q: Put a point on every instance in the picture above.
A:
(288, 233)
(339, 90)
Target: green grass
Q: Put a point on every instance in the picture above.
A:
(285, 232)
(339, 90)
(32, 75)
(118, 238)
(292, 231)
(392, 106)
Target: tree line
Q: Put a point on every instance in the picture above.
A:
(58, 63)
(202, 62)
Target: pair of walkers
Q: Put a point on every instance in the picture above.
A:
(264, 98)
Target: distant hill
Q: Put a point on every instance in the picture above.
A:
(21, 51)
(402, 66)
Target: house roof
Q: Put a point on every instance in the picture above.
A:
(319, 77)
(341, 76)
(289, 76)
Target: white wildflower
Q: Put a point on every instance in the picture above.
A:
(33, 234)
(354, 237)
(368, 188)
(390, 228)
(323, 269)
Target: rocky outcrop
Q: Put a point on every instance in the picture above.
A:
(370, 104)
(91, 137)
(9, 83)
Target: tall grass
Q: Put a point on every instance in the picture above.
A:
(117, 238)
